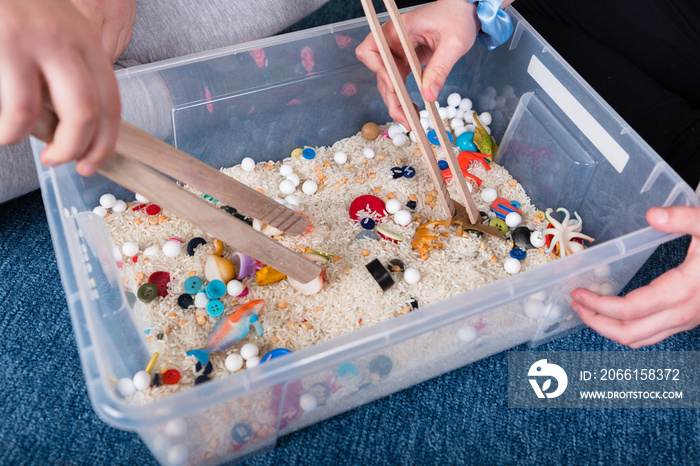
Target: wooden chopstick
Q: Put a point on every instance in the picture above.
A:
(124, 169)
(414, 120)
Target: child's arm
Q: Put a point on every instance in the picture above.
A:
(442, 33)
(48, 43)
(668, 305)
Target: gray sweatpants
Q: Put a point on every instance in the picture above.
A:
(166, 29)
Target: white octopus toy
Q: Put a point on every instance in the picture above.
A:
(564, 233)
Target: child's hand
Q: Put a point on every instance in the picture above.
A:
(670, 304)
(442, 32)
(113, 20)
(48, 43)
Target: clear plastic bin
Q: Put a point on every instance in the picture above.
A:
(558, 138)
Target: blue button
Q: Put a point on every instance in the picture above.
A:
(518, 254)
(185, 300)
(241, 432)
(275, 353)
(367, 223)
(192, 245)
(193, 285)
(443, 164)
(215, 289)
(308, 153)
(367, 234)
(408, 171)
(433, 139)
(381, 365)
(215, 308)
(347, 369)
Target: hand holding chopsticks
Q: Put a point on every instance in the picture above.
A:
(137, 151)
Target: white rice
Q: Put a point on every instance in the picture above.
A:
(464, 263)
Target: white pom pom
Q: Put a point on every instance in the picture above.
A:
(294, 178)
(287, 187)
(513, 219)
(403, 217)
(286, 169)
(126, 387)
(309, 187)
(142, 380)
(411, 276)
(99, 210)
(248, 164)
(399, 140)
(340, 157)
(454, 99)
(249, 350)
(392, 206)
(130, 249)
(511, 265)
(171, 248)
(489, 195)
(465, 105)
(107, 200)
(368, 152)
(119, 206)
(233, 362)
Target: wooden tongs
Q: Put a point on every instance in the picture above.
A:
(467, 213)
(137, 150)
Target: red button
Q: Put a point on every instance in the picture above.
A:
(153, 209)
(374, 204)
(161, 280)
(171, 377)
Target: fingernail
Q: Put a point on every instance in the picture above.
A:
(435, 90)
(660, 215)
(87, 169)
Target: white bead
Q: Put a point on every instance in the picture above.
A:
(248, 164)
(511, 265)
(171, 248)
(119, 206)
(396, 129)
(307, 402)
(513, 219)
(130, 249)
(392, 206)
(368, 152)
(466, 334)
(233, 362)
(176, 428)
(411, 276)
(287, 187)
(450, 113)
(99, 210)
(309, 187)
(454, 99)
(234, 288)
(489, 195)
(142, 380)
(126, 387)
(399, 140)
(465, 105)
(340, 157)
(142, 199)
(457, 123)
(533, 309)
(291, 200)
(457, 131)
(150, 251)
(177, 455)
(249, 350)
(252, 362)
(294, 178)
(201, 300)
(286, 169)
(403, 217)
(537, 239)
(443, 113)
(107, 200)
